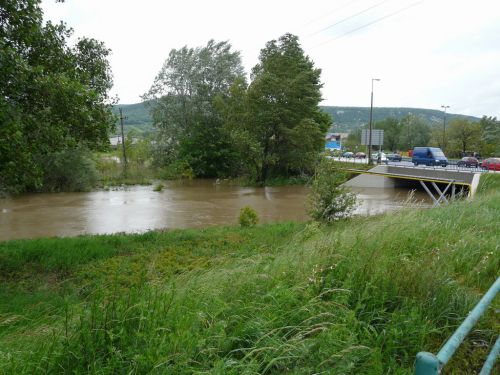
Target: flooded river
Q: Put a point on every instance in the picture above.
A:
(190, 204)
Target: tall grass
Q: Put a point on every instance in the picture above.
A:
(360, 297)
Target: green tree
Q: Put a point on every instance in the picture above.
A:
(53, 97)
(490, 128)
(329, 201)
(392, 133)
(353, 142)
(181, 102)
(282, 101)
(464, 135)
(414, 132)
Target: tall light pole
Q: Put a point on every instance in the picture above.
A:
(370, 131)
(444, 124)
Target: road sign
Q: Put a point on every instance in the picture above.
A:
(377, 137)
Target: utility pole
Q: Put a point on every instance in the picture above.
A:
(370, 131)
(123, 144)
(444, 125)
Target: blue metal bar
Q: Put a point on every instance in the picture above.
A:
(490, 361)
(456, 339)
(430, 364)
(427, 364)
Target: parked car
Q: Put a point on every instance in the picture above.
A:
(491, 164)
(394, 157)
(348, 154)
(360, 155)
(429, 156)
(383, 157)
(468, 161)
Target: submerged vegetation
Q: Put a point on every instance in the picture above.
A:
(362, 296)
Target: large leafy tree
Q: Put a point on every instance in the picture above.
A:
(53, 97)
(414, 132)
(284, 121)
(490, 128)
(182, 99)
(392, 133)
(464, 135)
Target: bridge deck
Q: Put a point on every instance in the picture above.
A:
(409, 177)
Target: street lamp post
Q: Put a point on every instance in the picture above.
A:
(370, 131)
(444, 125)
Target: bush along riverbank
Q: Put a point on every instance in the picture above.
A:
(361, 296)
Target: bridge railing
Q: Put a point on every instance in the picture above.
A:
(430, 364)
(452, 164)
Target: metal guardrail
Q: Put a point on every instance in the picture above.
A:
(430, 364)
(452, 164)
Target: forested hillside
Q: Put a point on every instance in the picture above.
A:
(345, 119)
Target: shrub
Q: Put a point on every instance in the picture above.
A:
(248, 217)
(158, 187)
(69, 170)
(328, 200)
(176, 170)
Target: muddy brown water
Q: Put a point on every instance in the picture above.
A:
(193, 204)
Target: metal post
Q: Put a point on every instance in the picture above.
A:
(444, 125)
(370, 131)
(123, 144)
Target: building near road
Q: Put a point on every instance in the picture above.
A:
(333, 141)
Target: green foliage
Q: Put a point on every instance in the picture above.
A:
(158, 187)
(392, 133)
(489, 182)
(52, 97)
(328, 200)
(181, 102)
(463, 135)
(348, 119)
(362, 297)
(345, 119)
(275, 123)
(111, 173)
(248, 217)
(415, 132)
(69, 170)
(176, 170)
(490, 129)
(399, 134)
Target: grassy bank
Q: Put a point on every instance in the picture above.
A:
(360, 297)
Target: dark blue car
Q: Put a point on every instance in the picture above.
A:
(429, 156)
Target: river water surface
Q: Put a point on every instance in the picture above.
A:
(191, 204)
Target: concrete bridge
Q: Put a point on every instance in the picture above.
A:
(444, 183)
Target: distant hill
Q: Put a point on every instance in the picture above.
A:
(345, 119)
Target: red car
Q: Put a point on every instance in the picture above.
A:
(468, 161)
(491, 164)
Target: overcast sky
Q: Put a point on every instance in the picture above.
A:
(427, 53)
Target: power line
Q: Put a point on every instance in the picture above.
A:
(330, 12)
(348, 18)
(370, 23)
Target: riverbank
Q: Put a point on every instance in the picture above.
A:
(360, 297)
(111, 174)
